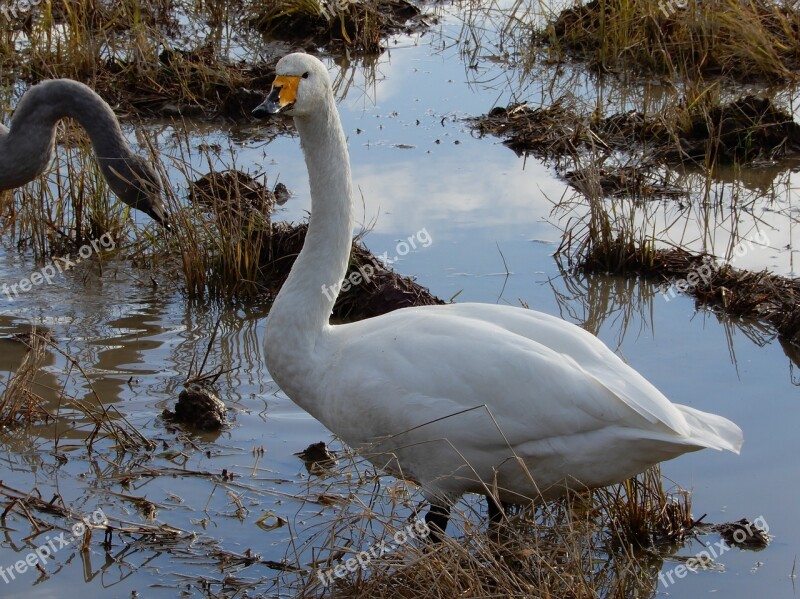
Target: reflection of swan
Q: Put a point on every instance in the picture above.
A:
(461, 398)
(26, 147)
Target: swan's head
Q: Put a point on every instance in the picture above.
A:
(301, 85)
(136, 183)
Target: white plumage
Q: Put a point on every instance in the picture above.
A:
(460, 398)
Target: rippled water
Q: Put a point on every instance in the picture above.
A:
(417, 167)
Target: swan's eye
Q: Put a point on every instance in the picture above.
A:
(305, 75)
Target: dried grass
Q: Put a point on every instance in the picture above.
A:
(700, 130)
(19, 404)
(358, 26)
(605, 543)
(740, 39)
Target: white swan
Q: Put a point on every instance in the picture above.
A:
(27, 145)
(503, 401)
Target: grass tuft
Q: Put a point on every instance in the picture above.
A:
(739, 39)
(605, 543)
(19, 404)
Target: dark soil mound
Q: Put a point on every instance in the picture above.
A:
(746, 130)
(761, 296)
(236, 192)
(198, 407)
(360, 25)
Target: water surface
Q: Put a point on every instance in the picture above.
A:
(417, 167)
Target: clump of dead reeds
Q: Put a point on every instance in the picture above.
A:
(763, 296)
(739, 39)
(127, 52)
(613, 235)
(605, 543)
(700, 129)
(230, 248)
(358, 25)
(19, 404)
(604, 236)
(221, 236)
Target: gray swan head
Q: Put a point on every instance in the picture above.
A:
(135, 182)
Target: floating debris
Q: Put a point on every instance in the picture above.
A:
(198, 407)
(317, 458)
(235, 192)
(742, 534)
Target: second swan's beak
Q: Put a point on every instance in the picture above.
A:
(280, 99)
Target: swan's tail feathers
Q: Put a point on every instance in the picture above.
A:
(710, 430)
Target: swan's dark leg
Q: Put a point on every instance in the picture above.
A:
(436, 519)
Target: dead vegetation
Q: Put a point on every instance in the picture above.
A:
(738, 39)
(761, 296)
(144, 59)
(704, 132)
(19, 404)
(620, 164)
(336, 24)
(130, 54)
(615, 235)
(606, 543)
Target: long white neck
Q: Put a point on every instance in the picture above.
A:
(302, 310)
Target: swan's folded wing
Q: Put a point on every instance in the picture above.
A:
(594, 358)
(533, 390)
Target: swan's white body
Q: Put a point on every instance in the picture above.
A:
(461, 398)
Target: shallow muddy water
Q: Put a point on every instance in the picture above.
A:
(479, 215)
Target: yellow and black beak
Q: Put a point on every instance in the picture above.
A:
(280, 98)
